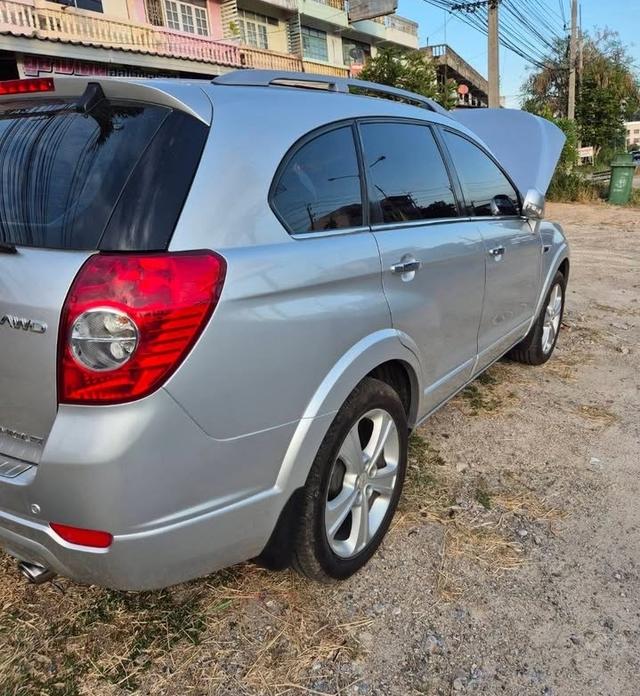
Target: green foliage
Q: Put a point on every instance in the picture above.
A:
(569, 183)
(572, 186)
(410, 70)
(608, 95)
(569, 155)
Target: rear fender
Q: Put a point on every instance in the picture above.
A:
(372, 351)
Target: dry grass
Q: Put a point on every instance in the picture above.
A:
(597, 414)
(478, 522)
(244, 631)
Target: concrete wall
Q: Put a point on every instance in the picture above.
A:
(116, 8)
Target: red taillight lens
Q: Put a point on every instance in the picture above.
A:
(129, 321)
(83, 537)
(29, 86)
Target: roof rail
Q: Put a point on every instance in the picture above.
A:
(267, 78)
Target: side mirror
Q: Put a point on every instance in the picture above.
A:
(533, 205)
(503, 205)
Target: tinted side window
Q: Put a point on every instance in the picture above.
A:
(486, 189)
(319, 188)
(406, 171)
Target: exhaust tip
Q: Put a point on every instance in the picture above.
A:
(35, 573)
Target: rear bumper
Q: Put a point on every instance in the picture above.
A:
(179, 503)
(153, 559)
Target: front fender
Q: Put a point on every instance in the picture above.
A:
(370, 352)
(555, 249)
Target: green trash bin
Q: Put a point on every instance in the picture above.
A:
(622, 172)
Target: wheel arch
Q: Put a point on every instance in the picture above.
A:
(564, 268)
(381, 355)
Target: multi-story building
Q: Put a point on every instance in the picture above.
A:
(473, 88)
(189, 37)
(633, 133)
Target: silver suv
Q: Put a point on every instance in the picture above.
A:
(224, 306)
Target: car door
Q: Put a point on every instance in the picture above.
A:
(512, 248)
(432, 261)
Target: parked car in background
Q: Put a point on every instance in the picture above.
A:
(217, 333)
(636, 157)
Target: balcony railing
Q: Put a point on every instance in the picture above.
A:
(311, 66)
(396, 22)
(401, 24)
(39, 19)
(44, 20)
(269, 60)
(336, 4)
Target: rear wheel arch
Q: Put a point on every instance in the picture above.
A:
(401, 377)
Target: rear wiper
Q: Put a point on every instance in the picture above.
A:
(6, 248)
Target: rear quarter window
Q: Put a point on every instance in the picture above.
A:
(318, 187)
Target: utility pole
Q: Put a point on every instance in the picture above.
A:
(571, 106)
(580, 51)
(494, 55)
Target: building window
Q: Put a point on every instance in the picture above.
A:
(93, 5)
(355, 52)
(187, 16)
(314, 44)
(254, 28)
(155, 15)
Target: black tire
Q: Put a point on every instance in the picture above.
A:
(529, 351)
(312, 555)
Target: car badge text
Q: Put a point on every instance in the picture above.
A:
(23, 324)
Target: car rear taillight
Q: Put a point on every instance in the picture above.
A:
(28, 86)
(129, 321)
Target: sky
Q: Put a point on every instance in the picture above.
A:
(436, 26)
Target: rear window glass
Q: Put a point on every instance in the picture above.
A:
(62, 172)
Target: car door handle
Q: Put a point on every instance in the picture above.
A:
(497, 252)
(405, 266)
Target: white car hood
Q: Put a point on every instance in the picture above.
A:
(527, 146)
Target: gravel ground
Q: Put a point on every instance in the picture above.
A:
(513, 566)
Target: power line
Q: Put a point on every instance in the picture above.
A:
(528, 28)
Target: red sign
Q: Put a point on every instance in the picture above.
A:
(463, 89)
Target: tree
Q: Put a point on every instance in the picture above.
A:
(410, 70)
(608, 95)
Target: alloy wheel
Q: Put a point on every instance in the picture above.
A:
(362, 482)
(551, 324)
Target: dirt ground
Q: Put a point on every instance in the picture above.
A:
(513, 566)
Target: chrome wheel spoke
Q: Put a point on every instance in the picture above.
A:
(384, 480)
(361, 522)
(351, 453)
(338, 509)
(379, 437)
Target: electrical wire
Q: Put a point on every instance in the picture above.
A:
(529, 28)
